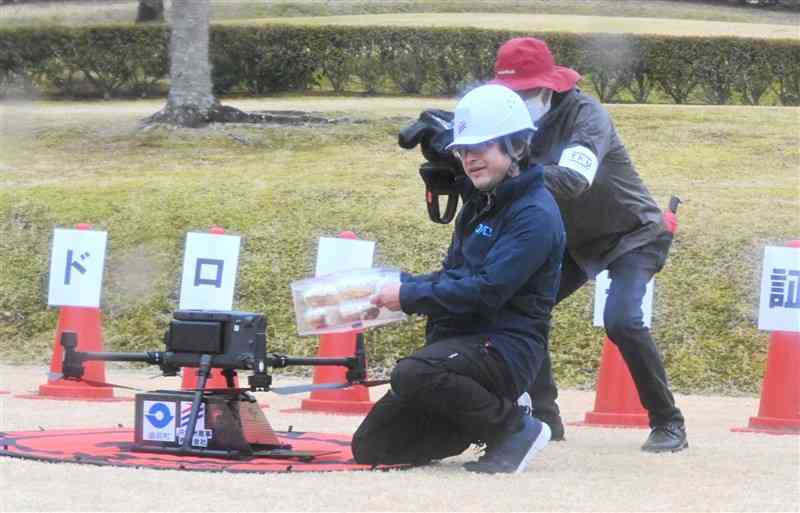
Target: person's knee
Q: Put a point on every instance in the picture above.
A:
(362, 450)
(407, 377)
(620, 325)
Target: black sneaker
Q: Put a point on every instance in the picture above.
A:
(670, 437)
(511, 454)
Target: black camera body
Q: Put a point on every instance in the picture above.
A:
(218, 333)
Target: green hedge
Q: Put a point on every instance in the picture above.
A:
(258, 60)
(98, 61)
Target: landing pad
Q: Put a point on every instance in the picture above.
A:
(112, 447)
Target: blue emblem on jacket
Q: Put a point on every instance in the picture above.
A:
(484, 229)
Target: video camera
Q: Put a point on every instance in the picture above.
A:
(433, 131)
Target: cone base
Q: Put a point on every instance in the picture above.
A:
(614, 420)
(67, 398)
(334, 407)
(771, 426)
(68, 392)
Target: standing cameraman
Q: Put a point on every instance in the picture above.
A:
(611, 220)
(488, 308)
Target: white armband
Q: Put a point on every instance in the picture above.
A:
(581, 160)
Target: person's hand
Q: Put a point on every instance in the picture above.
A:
(388, 297)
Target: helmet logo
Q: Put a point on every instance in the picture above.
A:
(462, 125)
(506, 72)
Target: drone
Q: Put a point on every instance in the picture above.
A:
(223, 422)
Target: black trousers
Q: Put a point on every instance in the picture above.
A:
(443, 397)
(623, 320)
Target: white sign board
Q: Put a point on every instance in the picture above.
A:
(76, 268)
(779, 309)
(601, 285)
(336, 254)
(210, 262)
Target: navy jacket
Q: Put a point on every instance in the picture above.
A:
(501, 273)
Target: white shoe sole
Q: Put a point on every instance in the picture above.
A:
(538, 445)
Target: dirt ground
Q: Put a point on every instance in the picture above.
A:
(596, 469)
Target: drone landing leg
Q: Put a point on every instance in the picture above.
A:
(202, 375)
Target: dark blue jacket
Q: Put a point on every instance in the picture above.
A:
(500, 276)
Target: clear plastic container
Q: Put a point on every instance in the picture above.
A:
(342, 301)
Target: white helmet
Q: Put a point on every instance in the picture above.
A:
(488, 112)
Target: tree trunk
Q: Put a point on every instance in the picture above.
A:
(190, 102)
(149, 11)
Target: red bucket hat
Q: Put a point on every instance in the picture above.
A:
(526, 63)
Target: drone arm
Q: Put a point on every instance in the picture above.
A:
(356, 365)
(278, 361)
(72, 366)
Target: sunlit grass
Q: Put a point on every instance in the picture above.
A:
(737, 169)
(538, 23)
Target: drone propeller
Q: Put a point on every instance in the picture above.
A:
(55, 376)
(298, 389)
(286, 390)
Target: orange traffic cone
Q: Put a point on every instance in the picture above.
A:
(346, 401)
(779, 409)
(215, 379)
(616, 402)
(86, 322)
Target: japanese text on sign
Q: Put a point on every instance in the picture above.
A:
(779, 307)
(76, 268)
(210, 262)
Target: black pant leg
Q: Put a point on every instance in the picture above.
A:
(544, 391)
(395, 431)
(444, 397)
(623, 319)
(463, 380)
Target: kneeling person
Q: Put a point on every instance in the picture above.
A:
(488, 308)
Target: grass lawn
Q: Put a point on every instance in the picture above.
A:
(736, 168)
(538, 23)
(84, 13)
